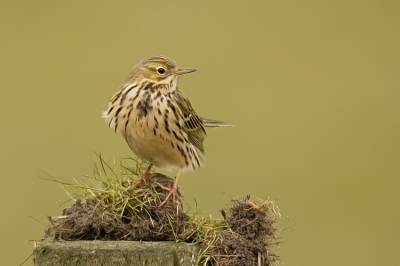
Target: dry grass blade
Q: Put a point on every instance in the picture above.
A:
(106, 209)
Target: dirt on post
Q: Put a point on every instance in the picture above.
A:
(253, 236)
(245, 237)
(83, 221)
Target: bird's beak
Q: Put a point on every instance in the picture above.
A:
(184, 71)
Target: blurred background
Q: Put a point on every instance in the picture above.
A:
(311, 87)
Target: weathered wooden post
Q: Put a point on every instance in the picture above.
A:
(118, 253)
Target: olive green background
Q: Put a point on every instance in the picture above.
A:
(311, 87)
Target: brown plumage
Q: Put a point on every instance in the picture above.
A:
(157, 120)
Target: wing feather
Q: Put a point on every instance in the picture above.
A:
(192, 123)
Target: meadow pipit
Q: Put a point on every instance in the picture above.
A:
(157, 120)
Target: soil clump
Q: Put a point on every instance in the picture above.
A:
(245, 237)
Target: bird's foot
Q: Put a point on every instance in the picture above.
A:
(143, 178)
(173, 192)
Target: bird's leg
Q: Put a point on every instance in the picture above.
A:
(172, 191)
(143, 178)
(145, 175)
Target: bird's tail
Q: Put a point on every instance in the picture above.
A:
(213, 123)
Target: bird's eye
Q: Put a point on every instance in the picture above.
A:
(161, 70)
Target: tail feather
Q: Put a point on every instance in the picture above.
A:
(213, 123)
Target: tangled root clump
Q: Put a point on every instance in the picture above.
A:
(88, 219)
(246, 235)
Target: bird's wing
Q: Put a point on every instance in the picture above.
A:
(192, 123)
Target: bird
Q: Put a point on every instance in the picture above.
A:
(158, 121)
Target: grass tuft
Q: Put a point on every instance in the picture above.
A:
(105, 209)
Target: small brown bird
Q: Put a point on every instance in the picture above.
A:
(157, 120)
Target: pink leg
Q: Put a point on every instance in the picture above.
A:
(172, 191)
(143, 177)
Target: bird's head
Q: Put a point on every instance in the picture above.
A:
(158, 69)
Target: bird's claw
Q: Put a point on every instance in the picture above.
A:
(143, 178)
(173, 192)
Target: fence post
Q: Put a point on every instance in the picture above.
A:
(118, 253)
